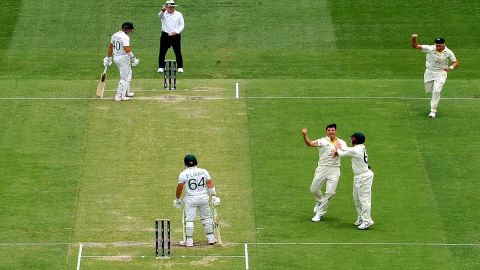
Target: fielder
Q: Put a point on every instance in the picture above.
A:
(196, 181)
(362, 179)
(437, 67)
(123, 57)
(328, 169)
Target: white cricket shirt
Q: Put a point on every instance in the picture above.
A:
(120, 40)
(437, 60)
(195, 181)
(359, 156)
(325, 152)
(172, 22)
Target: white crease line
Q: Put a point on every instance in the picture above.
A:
(34, 244)
(133, 244)
(79, 256)
(46, 98)
(246, 256)
(167, 98)
(179, 256)
(366, 244)
(401, 98)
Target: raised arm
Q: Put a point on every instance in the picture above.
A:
(307, 140)
(415, 43)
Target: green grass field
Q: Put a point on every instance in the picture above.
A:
(81, 171)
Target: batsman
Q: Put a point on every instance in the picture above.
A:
(197, 184)
(123, 57)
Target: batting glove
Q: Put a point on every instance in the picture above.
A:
(135, 61)
(177, 203)
(107, 61)
(215, 201)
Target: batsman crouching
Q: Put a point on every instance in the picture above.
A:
(198, 185)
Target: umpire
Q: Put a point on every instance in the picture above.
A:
(172, 27)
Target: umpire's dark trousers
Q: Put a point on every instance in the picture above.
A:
(166, 42)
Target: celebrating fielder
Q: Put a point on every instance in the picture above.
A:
(437, 67)
(328, 169)
(362, 179)
(123, 57)
(196, 181)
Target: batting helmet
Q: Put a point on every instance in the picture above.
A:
(358, 138)
(190, 160)
(128, 26)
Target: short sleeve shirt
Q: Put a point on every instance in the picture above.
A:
(195, 181)
(325, 152)
(119, 41)
(359, 156)
(437, 60)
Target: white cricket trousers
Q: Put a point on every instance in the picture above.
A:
(125, 68)
(192, 203)
(324, 175)
(362, 195)
(434, 81)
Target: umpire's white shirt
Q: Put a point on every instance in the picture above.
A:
(120, 40)
(195, 181)
(325, 152)
(172, 22)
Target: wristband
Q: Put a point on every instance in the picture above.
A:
(451, 67)
(212, 191)
(131, 55)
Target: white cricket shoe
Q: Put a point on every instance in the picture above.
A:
(186, 243)
(365, 225)
(180, 70)
(317, 217)
(119, 98)
(160, 70)
(431, 115)
(358, 221)
(130, 94)
(212, 241)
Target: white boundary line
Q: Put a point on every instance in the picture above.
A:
(80, 249)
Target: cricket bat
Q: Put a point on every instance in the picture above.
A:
(217, 225)
(101, 83)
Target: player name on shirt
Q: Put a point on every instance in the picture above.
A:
(194, 174)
